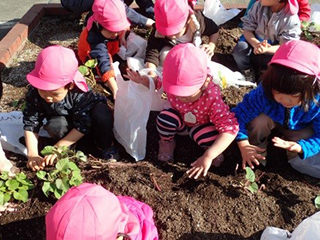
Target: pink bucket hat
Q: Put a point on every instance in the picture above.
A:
(171, 16)
(184, 70)
(111, 14)
(88, 212)
(299, 55)
(55, 67)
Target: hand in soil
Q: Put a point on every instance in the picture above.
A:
(36, 163)
(49, 159)
(201, 166)
(209, 49)
(251, 155)
(288, 145)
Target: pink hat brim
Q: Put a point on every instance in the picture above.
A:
(41, 84)
(181, 91)
(168, 31)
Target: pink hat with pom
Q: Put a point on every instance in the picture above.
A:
(185, 70)
(55, 67)
(299, 55)
(111, 14)
(171, 16)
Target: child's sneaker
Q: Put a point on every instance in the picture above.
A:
(110, 154)
(218, 160)
(249, 75)
(166, 149)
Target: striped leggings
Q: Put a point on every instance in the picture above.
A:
(170, 123)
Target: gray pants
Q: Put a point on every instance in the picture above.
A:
(260, 128)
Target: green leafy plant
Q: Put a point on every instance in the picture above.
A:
(15, 187)
(250, 182)
(86, 71)
(309, 28)
(317, 201)
(66, 173)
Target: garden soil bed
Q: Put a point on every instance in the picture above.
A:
(213, 207)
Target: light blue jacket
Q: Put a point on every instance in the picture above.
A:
(256, 102)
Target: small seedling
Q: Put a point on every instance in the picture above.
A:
(309, 28)
(66, 173)
(86, 71)
(250, 183)
(317, 201)
(14, 187)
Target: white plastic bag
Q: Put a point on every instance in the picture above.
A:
(214, 10)
(131, 113)
(136, 47)
(224, 77)
(308, 229)
(309, 166)
(136, 64)
(11, 129)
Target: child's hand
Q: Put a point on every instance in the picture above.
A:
(262, 47)
(36, 163)
(49, 159)
(208, 48)
(112, 84)
(136, 77)
(250, 155)
(288, 145)
(201, 166)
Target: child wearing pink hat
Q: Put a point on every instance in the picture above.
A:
(268, 24)
(102, 37)
(197, 108)
(90, 212)
(177, 22)
(287, 100)
(59, 94)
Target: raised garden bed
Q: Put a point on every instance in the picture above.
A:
(209, 208)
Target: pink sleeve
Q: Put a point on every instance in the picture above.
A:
(144, 214)
(221, 117)
(304, 10)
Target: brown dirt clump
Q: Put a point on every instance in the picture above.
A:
(214, 207)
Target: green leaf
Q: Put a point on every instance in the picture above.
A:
(58, 193)
(46, 188)
(41, 175)
(15, 103)
(92, 63)
(7, 197)
(58, 183)
(48, 150)
(250, 176)
(2, 202)
(1, 183)
(73, 166)
(12, 184)
(4, 175)
(83, 70)
(62, 164)
(22, 195)
(81, 156)
(253, 187)
(317, 201)
(20, 176)
(4, 198)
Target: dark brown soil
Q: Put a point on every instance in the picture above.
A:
(214, 207)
